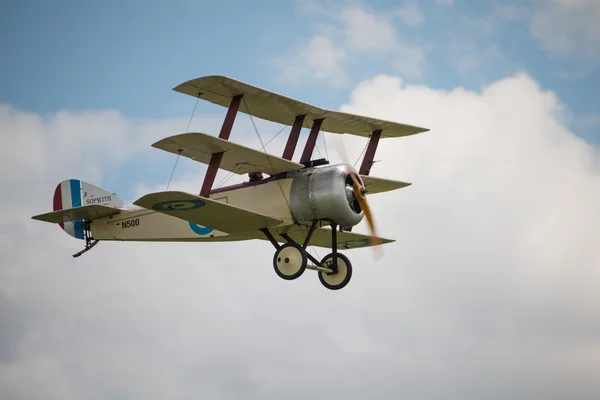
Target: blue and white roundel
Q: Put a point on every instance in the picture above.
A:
(185, 205)
(178, 205)
(200, 230)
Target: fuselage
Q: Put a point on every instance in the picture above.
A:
(270, 197)
(315, 193)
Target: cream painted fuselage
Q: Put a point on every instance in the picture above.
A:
(271, 197)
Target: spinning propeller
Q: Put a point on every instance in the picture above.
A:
(360, 192)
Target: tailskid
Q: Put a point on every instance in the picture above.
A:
(89, 240)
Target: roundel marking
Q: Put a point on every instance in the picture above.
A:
(178, 205)
(199, 229)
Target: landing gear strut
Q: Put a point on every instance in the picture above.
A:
(89, 240)
(291, 259)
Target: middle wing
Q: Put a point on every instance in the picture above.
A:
(380, 185)
(201, 210)
(236, 158)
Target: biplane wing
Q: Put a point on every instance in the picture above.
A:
(236, 158)
(89, 213)
(380, 185)
(207, 212)
(321, 237)
(345, 240)
(277, 108)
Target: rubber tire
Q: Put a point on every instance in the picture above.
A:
(344, 282)
(302, 267)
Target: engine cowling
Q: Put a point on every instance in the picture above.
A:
(325, 192)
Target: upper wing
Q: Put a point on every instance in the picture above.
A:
(236, 158)
(281, 109)
(379, 185)
(207, 212)
(77, 214)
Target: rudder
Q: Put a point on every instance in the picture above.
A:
(72, 193)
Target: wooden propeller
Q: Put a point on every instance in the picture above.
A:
(360, 194)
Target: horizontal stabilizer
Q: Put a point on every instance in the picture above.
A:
(206, 212)
(379, 185)
(88, 213)
(236, 158)
(277, 108)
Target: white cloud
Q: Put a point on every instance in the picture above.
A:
(347, 37)
(490, 288)
(319, 58)
(367, 32)
(568, 27)
(445, 2)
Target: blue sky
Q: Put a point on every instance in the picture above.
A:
(127, 55)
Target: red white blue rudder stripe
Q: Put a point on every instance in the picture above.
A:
(68, 195)
(74, 193)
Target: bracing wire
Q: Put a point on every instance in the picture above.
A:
(263, 146)
(174, 166)
(314, 249)
(229, 175)
(310, 247)
(192, 116)
(225, 179)
(360, 155)
(325, 144)
(254, 126)
(180, 150)
(277, 134)
(318, 151)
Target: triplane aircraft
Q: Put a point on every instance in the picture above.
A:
(299, 204)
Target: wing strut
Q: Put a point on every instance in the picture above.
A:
(311, 141)
(367, 162)
(290, 146)
(215, 159)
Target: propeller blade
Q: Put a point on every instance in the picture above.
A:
(340, 148)
(364, 205)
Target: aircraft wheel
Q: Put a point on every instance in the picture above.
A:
(338, 280)
(290, 261)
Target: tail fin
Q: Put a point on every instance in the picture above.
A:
(73, 193)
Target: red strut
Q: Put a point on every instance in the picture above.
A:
(311, 141)
(215, 158)
(290, 146)
(367, 162)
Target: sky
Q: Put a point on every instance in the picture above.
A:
(490, 290)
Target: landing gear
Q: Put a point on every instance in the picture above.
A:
(89, 240)
(343, 272)
(291, 260)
